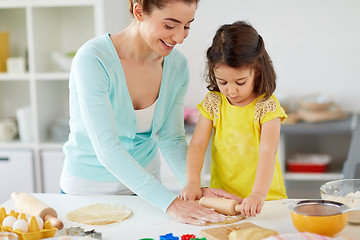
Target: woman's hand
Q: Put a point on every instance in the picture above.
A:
(192, 213)
(252, 205)
(216, 192)
(190, 193)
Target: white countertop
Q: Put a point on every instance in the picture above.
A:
(149, 222)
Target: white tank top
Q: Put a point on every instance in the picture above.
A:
(74, 185)
(144, 118)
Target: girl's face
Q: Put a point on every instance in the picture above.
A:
(163, 28)
(237, 84)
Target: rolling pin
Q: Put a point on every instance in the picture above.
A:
(221, 205)
(34, 207)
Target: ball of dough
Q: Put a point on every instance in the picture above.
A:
(254, 233)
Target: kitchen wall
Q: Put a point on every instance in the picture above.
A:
(314, 44)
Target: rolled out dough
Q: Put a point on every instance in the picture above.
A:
(99, 214)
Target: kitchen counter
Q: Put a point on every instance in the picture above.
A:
(149, 222)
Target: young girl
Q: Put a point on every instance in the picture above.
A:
(245, 119)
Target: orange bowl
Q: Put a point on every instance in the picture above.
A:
(319, 216)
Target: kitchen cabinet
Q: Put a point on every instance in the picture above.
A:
(52, 162)
(38, 29)
(16, 172)
(330, 138)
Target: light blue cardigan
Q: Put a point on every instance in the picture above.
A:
(103, 144)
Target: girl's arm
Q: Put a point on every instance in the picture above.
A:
(195, 159)
(269, 142)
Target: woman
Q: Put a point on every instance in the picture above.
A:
(126, 101)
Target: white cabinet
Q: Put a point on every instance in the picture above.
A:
(17, 173)
(38, 29)
(52, 163)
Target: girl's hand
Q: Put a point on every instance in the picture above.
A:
(252, 205)
(192, 213)
(220, 193)
(190, 193)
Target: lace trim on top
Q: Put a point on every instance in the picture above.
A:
(212, 104)
(263, 107)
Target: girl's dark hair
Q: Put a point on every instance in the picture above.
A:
(149, 5)
(238, 45)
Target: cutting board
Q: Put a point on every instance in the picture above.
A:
(222, 233)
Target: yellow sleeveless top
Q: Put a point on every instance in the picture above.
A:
(235, 143)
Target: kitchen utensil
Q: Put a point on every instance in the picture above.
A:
(221, 205)
(221, 233)
(344, 191)
(78, 231)
(319, 216)
(33, 206)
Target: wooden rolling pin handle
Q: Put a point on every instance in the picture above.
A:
(238, 208)
(55, 222)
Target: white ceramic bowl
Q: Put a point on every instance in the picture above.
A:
(346, 191)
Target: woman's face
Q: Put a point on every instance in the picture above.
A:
(163, 28)
(237, 84)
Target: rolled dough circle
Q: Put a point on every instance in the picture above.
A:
(99, 214)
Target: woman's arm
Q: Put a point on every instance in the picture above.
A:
(269, 142)
(92, 84)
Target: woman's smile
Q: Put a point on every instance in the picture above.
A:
(168, 44)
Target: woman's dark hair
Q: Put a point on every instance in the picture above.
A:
(239, 45)
(149, 5)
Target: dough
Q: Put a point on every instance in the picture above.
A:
(99, 214)
(253, 233)
(228, 220)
